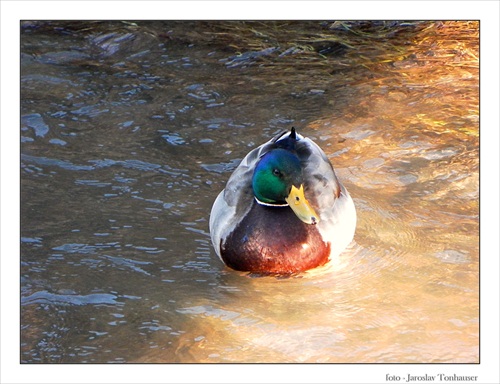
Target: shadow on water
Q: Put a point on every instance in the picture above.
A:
(130, 129)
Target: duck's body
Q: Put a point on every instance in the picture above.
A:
(283, 209)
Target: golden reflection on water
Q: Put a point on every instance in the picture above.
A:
(407, 289)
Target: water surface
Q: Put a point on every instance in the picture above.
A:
(130, 130)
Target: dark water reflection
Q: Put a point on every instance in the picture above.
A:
(129, 131)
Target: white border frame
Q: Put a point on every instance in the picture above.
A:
(14, 11)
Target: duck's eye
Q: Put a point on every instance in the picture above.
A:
(276, 172)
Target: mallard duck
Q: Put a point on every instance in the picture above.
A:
(283, 210)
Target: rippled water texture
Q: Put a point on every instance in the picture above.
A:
(130, 130)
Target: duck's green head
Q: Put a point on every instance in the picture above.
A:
(278, 180)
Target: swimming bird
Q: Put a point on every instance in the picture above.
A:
(283, 210)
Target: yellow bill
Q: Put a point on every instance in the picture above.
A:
(301, 207)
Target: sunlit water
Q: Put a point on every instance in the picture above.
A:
(130, 131)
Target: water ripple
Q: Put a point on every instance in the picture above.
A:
(131, 164)
(45, 297)
(35, 121)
